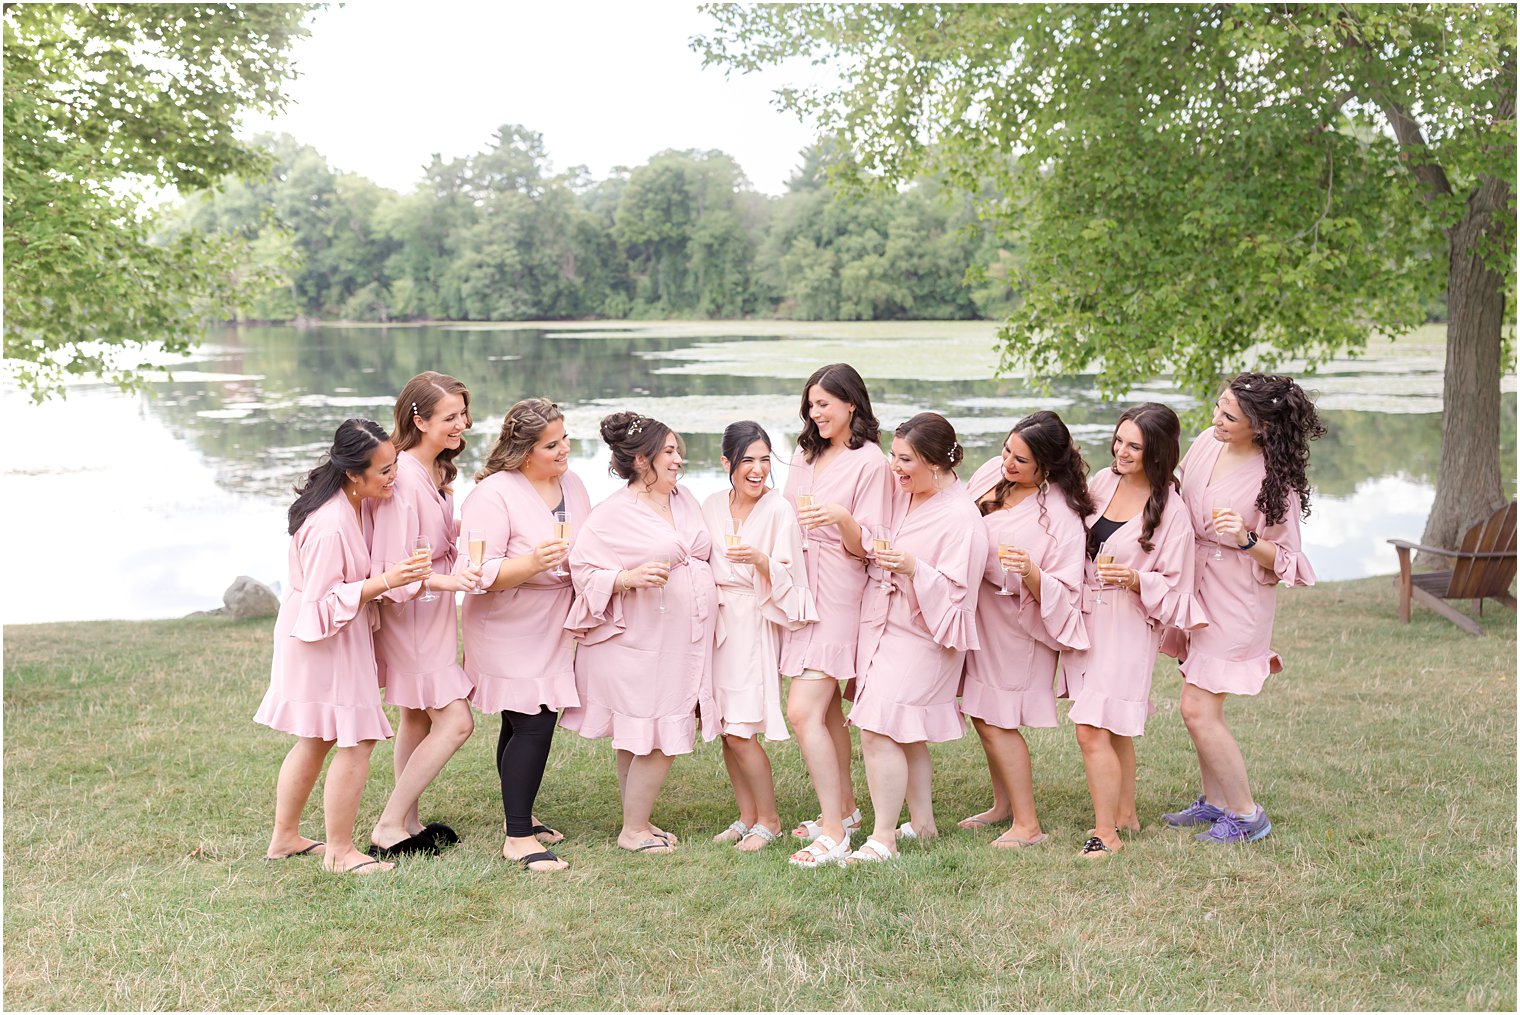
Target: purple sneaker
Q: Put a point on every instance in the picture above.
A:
(1199, 812)
(1234, 828)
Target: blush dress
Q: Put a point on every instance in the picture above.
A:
(1010, 679)
(643, 677)
(322, 681)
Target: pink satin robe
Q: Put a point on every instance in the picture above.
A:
(753, 613)
(914, 638)
(417, 647)
(517, 653)
(643, 677)
(1010, 680)
(857, 480)
(322, 682)
(1109, 683)
(1233, 655)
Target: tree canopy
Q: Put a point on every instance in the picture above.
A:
(1201, 188)
(104, 102)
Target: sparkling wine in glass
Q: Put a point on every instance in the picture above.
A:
(661, 607)
(1003, 550)
(731, 537)
(881, 540)
(805, 501)
(1102, 559)
(477, 545)
(422, 549)
(1214, 513)
(561, 531)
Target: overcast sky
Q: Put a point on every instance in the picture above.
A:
(386, 84)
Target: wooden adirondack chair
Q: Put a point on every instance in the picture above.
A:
(1485, 566)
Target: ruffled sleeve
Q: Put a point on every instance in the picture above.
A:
(1290, 566)
(872, 501)
(396, 525)
(946, 593)
(596, 611)
(328, 602)
(1166, 588)
(1056, 620)
(486, 510)
(785, 598)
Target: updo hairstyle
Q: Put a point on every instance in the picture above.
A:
(932, 439)
(628, 434)
(352, 449)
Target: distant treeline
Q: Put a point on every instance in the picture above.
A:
(494, 236)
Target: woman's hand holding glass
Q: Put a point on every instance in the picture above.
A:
(1115, 575)
(550, 553)
(1230, 527)
(652, 575)
(890, 558)
(412, 569)
(816, 514)
(743, 553)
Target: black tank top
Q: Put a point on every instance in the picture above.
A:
(1099, 533)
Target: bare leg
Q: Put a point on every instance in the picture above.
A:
(754, 768)
(1002, 807)
(624, 765)
(298, 774)
(340, 806)
(743, 795)
(449, 727)
(1103, 777)
(807, 706)
(833, 720)
(1126, 816)
(887, 779)
(646, 774)
(1219, 759)
(920, 789)
(411, 731)
(1008, 754)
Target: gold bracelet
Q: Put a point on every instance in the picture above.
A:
(386, 580)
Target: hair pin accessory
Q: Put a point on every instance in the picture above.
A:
(636, 427)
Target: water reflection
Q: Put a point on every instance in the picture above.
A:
(186, 488)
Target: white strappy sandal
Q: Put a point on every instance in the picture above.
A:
(872, 851)
(812, 830)
(733, 833)
(821, 852)
(760, 832)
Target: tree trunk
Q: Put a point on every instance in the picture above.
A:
(1468, 486)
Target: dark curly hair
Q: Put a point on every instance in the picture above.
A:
(1161, 432)
(1285, 421)
(1058, 458)
(843, 382)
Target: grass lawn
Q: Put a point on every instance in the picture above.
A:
(138, 794)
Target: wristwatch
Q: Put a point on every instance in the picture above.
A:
(1250, 541)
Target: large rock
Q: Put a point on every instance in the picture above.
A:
(246, 598)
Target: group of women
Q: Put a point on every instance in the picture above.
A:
(890, 581)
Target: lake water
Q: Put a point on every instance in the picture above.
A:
(148, 505)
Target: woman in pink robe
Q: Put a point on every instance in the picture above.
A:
(418, 643)
(322, 683)
(760, 596)
(517, 653)
(1245, 485)
(644, 612)
(1033, 499)
(916, 631)
(840, 471)
(1127, 604)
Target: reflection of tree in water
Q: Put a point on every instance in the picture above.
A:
(261, 434)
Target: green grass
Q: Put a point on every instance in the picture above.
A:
(138, 794)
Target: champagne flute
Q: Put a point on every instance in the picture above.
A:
(805, 501)
(422, 549)
(1102, 559)
(1214, 514)
(1003, 550)
(881, 539)
(731, 536)
(661, 607)
(561, 531)
(477, 545)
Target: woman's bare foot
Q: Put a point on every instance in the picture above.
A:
(732, 834)
(645, 842)
(990, 816)
(661, 833)
(351, 861)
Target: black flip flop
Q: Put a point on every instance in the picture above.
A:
(409, 846)
(546, 830)
(361, 863)
(547, 854)
(299, 852)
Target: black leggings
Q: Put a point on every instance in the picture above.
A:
(522, 750)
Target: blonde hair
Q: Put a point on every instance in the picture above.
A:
(524, 424)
